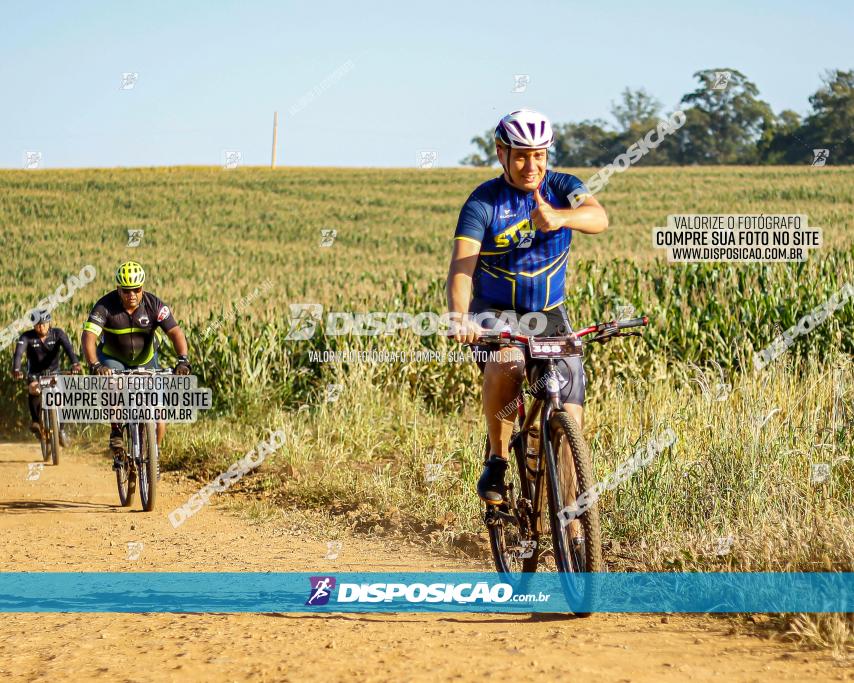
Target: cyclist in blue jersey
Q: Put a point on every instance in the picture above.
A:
(509, 259)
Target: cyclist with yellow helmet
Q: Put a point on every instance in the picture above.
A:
(121, 334)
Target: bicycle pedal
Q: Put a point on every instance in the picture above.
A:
(492, 515)
(119, 459)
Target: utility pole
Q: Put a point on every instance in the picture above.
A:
(275, 137)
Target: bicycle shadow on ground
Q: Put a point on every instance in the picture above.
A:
(23, 506)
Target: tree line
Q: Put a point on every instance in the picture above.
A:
(726, 122)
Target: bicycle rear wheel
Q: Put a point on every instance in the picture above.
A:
(514, 545)
(53, 434)
(148, 465)
(578, 544)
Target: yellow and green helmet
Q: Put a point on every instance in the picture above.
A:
(130, 274)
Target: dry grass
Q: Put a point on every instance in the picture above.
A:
(742, 467)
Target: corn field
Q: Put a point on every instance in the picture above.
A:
(229, 251)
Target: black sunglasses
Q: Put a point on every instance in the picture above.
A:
(131, 290)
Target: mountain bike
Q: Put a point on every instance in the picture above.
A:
(139, 461)
(550, 463)
(49, 427)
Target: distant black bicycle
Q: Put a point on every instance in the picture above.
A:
(139, 462)
(550, 459)
(49, 427)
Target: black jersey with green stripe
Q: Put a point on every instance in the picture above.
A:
(518, 267)
(129, 337)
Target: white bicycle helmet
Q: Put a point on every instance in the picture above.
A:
(525, 129)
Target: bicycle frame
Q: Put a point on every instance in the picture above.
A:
(542, 409)
(135, 455)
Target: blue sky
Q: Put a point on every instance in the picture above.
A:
(420, 76)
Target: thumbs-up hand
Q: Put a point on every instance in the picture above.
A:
(544, 216)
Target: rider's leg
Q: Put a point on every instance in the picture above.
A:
(116, 440)
(34, 403)
(161, 432)
(502, 380)
(34, 400)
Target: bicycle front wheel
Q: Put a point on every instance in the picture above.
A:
(53, 435)
(126, 472)
(148, 465)
(577, 543)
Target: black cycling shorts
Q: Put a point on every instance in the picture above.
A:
(573, 381)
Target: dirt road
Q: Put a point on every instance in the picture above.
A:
(69, 520)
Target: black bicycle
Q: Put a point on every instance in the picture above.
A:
(550, 459)
(49, 426)
(139, 461)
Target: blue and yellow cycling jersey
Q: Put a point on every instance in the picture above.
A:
(519, 267)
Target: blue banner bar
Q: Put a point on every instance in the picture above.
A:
(425, 592)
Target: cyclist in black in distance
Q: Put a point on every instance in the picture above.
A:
(41, 346)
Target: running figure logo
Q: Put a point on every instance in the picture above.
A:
(520, 82)
(526, 239)
(129, 79)
(134, 237)
(820, 157)
(721, 80)
(303, 320)
(321, 590)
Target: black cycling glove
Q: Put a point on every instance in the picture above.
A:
(182, 367)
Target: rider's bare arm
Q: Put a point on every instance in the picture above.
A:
(179, 341)
(458, 288)
(89, 341)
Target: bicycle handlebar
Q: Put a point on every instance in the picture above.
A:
(614, 325)
(604, 331)
(144, 371)
(44, 376)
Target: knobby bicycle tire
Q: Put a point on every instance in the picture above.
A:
(148, 465)
(563, 426)
(53, 432)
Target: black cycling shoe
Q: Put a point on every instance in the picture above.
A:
(490, 486)
(118, 460)
(36, 429)
(117, 448)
